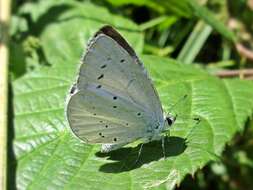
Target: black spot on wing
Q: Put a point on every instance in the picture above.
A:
(73, 89)
(103, 66)
(101, 76)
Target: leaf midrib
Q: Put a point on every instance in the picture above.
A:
(47, 162)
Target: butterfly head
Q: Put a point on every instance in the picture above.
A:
(170, 119)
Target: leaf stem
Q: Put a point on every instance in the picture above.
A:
(4, 56)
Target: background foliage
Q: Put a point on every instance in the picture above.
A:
(202, 39)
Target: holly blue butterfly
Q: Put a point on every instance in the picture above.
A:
(113, 101)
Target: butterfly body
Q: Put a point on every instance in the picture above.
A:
(113, 101)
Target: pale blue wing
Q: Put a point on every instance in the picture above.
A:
(113, 87)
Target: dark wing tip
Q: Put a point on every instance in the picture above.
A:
(111, 32)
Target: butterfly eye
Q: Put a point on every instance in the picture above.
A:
(122, 60)
(170, 121)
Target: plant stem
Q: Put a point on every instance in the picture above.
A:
(247, 73)
(4, 59)
(245, 52)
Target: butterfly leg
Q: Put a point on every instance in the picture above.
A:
(167, 136)
(163, 147)
(139, 154)
(110, 147)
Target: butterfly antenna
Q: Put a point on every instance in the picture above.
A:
(197, 119)
(178, 101)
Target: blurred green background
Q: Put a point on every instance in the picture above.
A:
(216, 35)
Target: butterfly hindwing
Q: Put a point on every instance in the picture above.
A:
(95, 117)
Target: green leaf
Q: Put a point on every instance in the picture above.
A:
(65, 26)
(195, 42)
(149, 3)
(49, 156)
(179, 8)
(66, 38)
(17, 60)
(18, 24)
(153, 22)
(209, 17)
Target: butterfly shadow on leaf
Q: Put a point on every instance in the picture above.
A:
(126, 159)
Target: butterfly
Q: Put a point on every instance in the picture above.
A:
(113, 101)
